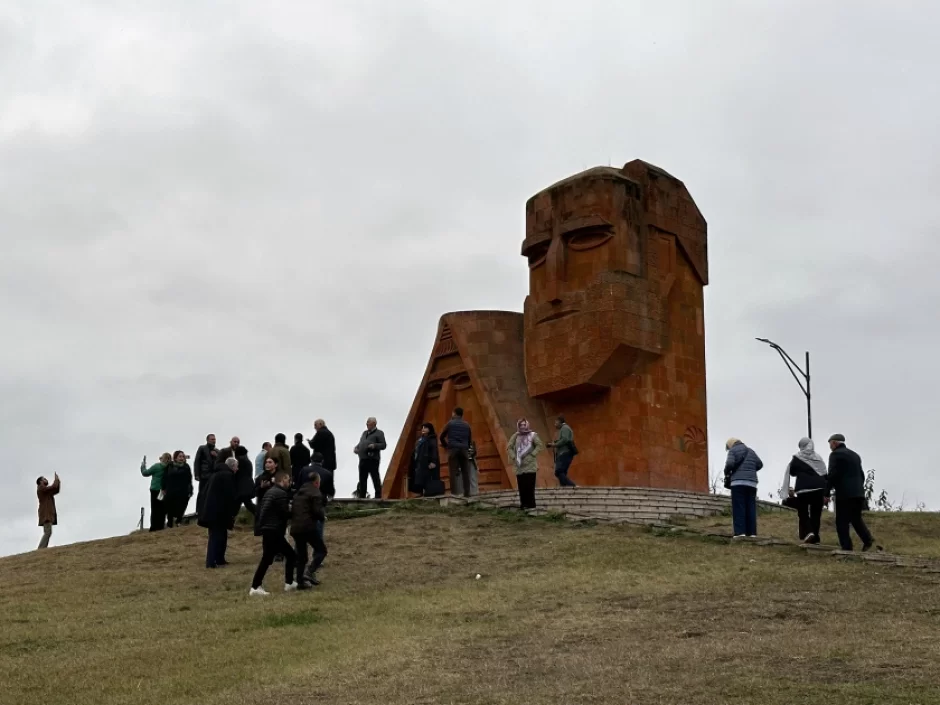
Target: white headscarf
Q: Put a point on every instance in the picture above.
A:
(809, 456)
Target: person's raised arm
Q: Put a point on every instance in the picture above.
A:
(56, 485)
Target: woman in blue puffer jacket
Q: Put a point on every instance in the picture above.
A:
(741, 471)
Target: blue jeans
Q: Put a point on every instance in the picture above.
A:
(562, 463)
(744, 510)
(215, 549)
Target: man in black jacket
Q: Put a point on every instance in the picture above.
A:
(299, 456)
(307, 517)
(273, 515)
(218, 512)
(327, 488)
(203, 467)
(847, 479)
(324, 443)
(456, 439)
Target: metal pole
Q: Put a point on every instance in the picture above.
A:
(809, 403)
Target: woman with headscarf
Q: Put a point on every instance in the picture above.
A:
(810, 472)
(426, 463)
(155, 473)
(178, 488)
(524, 447)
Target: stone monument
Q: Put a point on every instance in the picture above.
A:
(612, 337)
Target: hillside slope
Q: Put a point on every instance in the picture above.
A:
(562, 614)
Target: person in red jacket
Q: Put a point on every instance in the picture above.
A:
(47, 512)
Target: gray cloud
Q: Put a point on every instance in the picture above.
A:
(240, 219)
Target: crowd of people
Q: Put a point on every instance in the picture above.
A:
(283, 487)
(813, 489)
(292, 486)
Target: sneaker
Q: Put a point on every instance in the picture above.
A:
(809, 538)
(739, 536)
(290, 587)
(752, 536)
(258, 592)
(304, 585)
(312, 579)
(870, 545)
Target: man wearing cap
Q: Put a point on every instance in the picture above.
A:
(847, 480)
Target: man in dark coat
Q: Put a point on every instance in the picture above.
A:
(327, 489)
(324, 443)
(299, 456)
(218, 512)
(847, 479)
(203, 467)
(273, 515)
(227, 453)
(244, 480)
(307, 517)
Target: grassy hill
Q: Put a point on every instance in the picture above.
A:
(562, 614)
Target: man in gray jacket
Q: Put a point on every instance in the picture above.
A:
(456, 439)
(369, 450)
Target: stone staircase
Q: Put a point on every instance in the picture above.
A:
(640, 505)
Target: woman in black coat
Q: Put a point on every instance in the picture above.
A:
(426, 464)
(177, 488)
(809, 493)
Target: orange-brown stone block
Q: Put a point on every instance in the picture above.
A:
(612, 336)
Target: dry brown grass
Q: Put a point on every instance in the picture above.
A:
(907, 533)
(563, 614)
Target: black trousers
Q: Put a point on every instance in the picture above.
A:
(272, 544)
(201, 495)
(526, 483)
(809, 507)
(157, 511)
(849, 513)
(301, 542)
(216, 547)
(175, 509)
(369, 467)
(458, 468)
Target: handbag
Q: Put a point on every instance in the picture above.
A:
(574, 449)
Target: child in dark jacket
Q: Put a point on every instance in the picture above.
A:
(271, 525)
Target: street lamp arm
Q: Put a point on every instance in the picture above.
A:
(787, 361)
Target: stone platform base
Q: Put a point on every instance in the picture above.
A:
(626, 504)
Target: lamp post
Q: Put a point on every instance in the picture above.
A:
(794, 369)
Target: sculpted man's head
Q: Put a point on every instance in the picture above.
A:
(598, 277)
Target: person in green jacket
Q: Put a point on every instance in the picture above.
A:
(523, 449)
(157, 507)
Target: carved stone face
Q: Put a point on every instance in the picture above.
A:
(591, 310)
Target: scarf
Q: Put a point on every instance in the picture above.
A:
(523, 442)
(809, 456)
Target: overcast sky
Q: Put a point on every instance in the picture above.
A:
(238, 217)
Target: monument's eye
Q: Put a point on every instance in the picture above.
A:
(537, 254)
(461, 381)
(589, 238)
